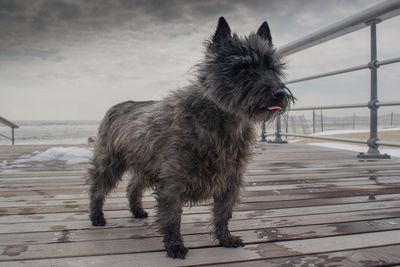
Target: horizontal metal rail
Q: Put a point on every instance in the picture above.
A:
(386, 143)
(388, 61)
(346, 70)
(389, 103)
(5, 136)
(346, 140)
(381, 12)
(378, 104)
(327, 74)
(325, 138)
(331, 107)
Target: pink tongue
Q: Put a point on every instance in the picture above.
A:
(275, 108)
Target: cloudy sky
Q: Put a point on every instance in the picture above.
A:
(62, 59)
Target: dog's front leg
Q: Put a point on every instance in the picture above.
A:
(169, 207)
(223, 205)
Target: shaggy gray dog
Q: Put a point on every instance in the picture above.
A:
(194, 144)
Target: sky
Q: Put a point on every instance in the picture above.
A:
(72, 60)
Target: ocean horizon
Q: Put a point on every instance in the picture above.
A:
(70, 132)
(35, 132)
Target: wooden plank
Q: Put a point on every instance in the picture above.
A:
(119, 197)
(285, 194)
(119, 228)
(294, 207)
(246, 196)
(279, 211)
(365, 257)
(38, 208)
(381, 177)
(141, 243)
(220, 255)
(38, 223)
(277, 186)
(299, 164)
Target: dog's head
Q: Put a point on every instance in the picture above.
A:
(245, 74)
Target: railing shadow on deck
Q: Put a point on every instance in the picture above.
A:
(367, 18)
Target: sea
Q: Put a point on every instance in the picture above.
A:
(63, 132)
(50, 132)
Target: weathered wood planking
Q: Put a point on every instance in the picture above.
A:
(303, 205)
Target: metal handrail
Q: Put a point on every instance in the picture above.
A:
(381, 12)
(367, 18)
(326, 138)
(346, 70)
(327, 74)
(386, 143)
(12, 126)
(5, 136)
(331, 107)
(346, 140)
(378, 104)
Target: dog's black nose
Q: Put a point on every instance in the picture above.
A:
(280, 93)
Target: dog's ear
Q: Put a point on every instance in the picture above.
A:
(223, 31)
(265, 32)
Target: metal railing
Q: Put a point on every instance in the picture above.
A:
(12, 126)
(367, 18)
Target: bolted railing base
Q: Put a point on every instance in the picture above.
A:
(278, 136)
(277, 141)
(367, 155)
(373, 151)
(263, 133)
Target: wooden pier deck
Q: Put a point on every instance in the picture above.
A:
(303, 206)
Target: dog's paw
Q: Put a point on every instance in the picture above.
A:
(139, 213)
(231, 242)
(176, 251)
(98, 219)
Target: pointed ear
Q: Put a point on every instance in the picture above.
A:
(223, 31)
(265, 32)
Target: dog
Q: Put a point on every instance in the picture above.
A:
(194, 144)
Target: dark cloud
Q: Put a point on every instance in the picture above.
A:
(60, 9)
(29, 54)
(75, 22)
(140, 49)
(67, 17)
(10, 6)
(52, 12)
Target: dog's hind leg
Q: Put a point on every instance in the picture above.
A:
(134, 193)
(104, 176)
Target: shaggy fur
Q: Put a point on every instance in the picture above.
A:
(194, 144)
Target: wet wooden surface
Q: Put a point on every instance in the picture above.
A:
(302, 206)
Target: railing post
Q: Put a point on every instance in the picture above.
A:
(287, 123)
(263, 132)
(373, 151)
(391, 119)
(293, 123)
(313, 120)
(278, 135)
(354, 121)
(12, 135)
(322, 121)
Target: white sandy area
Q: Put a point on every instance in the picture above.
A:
(69, 155)
(335, 132)
(395, 152)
